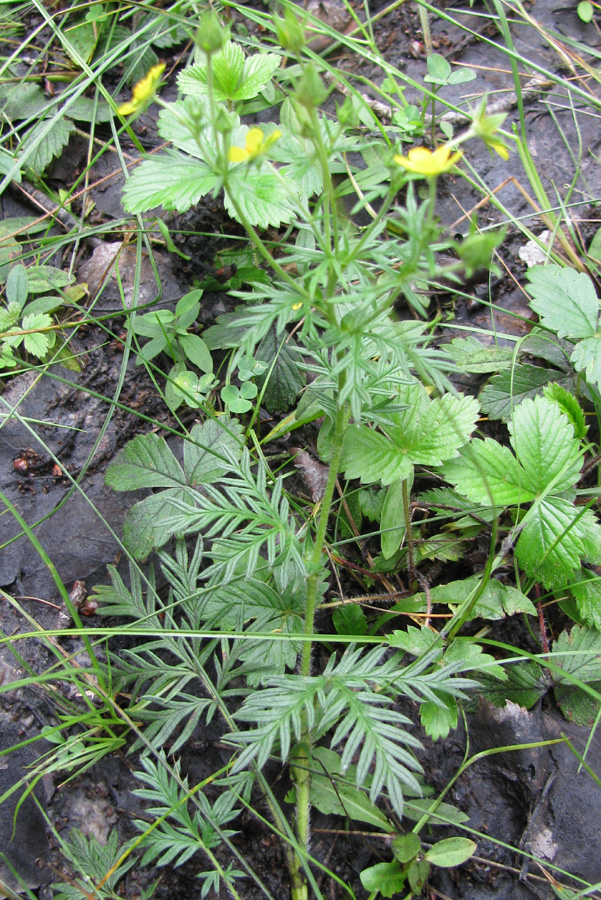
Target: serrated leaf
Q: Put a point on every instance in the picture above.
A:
(23, 100)
(50, 146)
(145, 528)
(350, 619)
(565, 300)
(171, 180)
(371, 503)
(586, 357)
(259, 196)
(426, 432)
(145, 462)
(496, 601)
(585, 587)
(285, 380)
(505, 391)
(211, 449)
(544, 442)
(258, 71)
(580, 651)
(437, 720)
(488, 470)
(37, 344)
(451, 852)
(575, 705)
(525, 684)
(550, 547)
(384, 878)
(370, 456)
(472, 356)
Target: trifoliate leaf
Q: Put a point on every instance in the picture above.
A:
(171, 180)
(544, 442)
(569, 405)
(565, 300)
(505, 391)
(425, 431)
(50, 146)
(234, 77)
(37, 344)
(145, 462)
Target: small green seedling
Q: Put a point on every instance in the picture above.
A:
(238, 399)
(168, 333)
(22, 324)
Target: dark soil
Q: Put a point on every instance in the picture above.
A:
(535, 799)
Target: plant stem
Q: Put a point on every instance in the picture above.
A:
(302, 762)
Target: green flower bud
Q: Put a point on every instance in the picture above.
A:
(311, 91)
(211, 34)
(290, 32)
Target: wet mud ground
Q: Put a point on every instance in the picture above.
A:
(53, 474)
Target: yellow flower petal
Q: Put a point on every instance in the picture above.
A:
(143, 92)
(254, 141)
(238, 154)
(428, 163)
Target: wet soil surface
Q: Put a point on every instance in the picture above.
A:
(52, 476)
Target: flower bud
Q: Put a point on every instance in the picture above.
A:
(211, 34)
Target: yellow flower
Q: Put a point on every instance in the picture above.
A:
(429, 163)
(143, 92)
(256, 144)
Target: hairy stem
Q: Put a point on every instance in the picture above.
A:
(301, 765)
